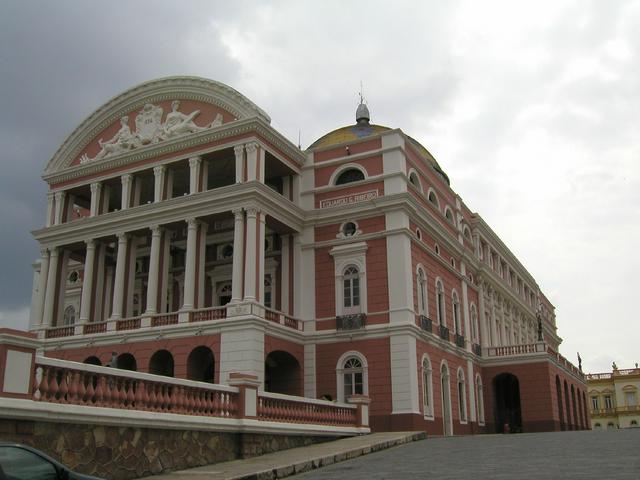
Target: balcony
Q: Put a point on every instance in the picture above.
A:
(459, 340)
(426, 324)
(443, 332)
(477, 349)
(355, 321)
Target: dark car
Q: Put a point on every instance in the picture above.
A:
(20, 462)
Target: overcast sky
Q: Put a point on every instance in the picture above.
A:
(532, 108)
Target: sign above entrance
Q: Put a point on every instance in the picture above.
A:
(349, 199)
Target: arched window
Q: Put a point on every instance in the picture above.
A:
(466, 232)
(69, 315)
(223, 293)
(433, 198)
(351, 375)
(448, 214)
(474, 323)
(436, 247)
(349, 175)
(427, 388)
(440, 303)
(351, 287)
(480, 399)
(456, 313)
(462, 396)
(414, 180)
(349, 229)
(418, 234)
(422, 291)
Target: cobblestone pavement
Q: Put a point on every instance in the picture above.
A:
(585, 455)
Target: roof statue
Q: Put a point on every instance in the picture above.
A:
(362, 112)
(150, 129)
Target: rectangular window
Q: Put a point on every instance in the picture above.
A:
(348, 384)
(630, 398)
(595, 404)
(358, 384)
(608, 402)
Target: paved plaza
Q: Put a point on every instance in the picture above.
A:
(584, 455)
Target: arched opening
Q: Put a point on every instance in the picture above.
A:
(126, 361)
(508, 416)
(282, 373)
(563, 426)
(567, 406)
(92, 360)
(447, 425)
(161, 363)
(576, 420)
(200, 365)
(350, 175)
(414, 180)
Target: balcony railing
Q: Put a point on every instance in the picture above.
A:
(351, 322)
(509, 350)
(477, 349)
(443, 332)
(129, 323)
(459, 340)
(205, 314)
(426, 324)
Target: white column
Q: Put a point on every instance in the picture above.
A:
(60, 200)
(165, 285)
(465, 307)
(154, 270)
(87, 283)
(108, 293)
(137, 191)
(130, 276)
(121, 272)
(238, 256)
(471, 388)
(106, 196)
(252, 161)
(194, 174)
(251, 255)
(127, 180)
(62, 286)
(190, 264)
(239, 151)
(261, 224)
(50, 213)
(52, 287)
(169, 185)
(38, 306)
(285, 270)
(158, 182)
(96, 190)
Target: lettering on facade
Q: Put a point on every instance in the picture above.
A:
(349, 199)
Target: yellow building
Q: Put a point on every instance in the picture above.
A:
(613, 398)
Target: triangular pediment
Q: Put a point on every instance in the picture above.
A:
(150, 114)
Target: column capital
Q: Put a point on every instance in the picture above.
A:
(251, 147)
(238, 212)
(44, 251)
(192, 222)
(91, 244)
(51, 195)
(159, 170)
(195, 161)
(95, 186)
(252, 211)
(156, 230)
(60, 194)
(122, 236)
(238, 150)
(126, 178)
(54, 251)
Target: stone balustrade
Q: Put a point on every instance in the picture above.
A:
(509, 350)
(284, 408)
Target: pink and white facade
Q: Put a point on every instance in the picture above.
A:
(187, 237)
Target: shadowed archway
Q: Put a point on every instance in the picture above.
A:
(506, 388)
(282, 373)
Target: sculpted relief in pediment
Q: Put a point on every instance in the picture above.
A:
(150, 129)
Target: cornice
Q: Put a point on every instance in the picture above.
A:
(229, 130)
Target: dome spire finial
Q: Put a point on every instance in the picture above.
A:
(362, 112)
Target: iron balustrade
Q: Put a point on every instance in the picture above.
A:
(351, 322)
(459, 339)
(477, 349)
(426, 324)
(443, 332)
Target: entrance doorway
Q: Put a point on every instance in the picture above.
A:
(282, 373)
(506, 389)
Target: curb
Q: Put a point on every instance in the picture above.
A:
(319, 462)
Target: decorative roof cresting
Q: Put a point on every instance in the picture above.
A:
(151, 130)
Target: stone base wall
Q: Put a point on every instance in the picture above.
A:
(123, 453)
